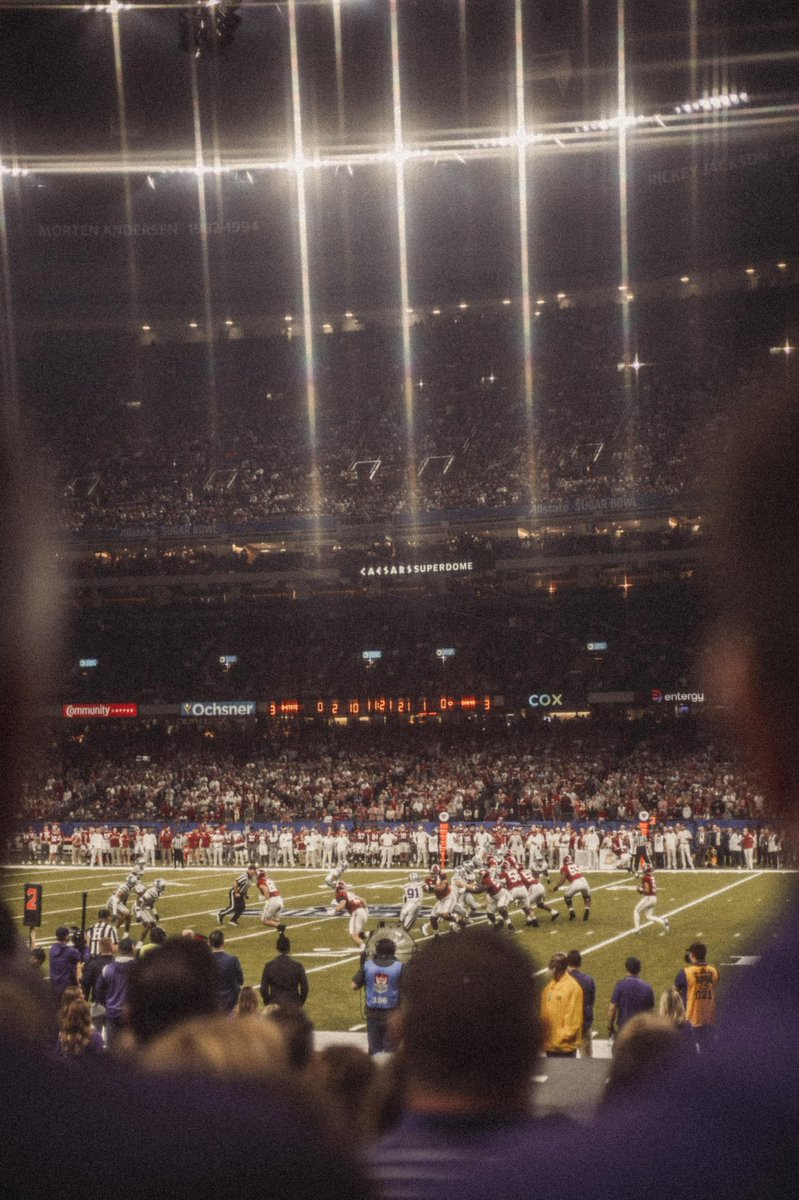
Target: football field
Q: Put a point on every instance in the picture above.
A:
(729, 910)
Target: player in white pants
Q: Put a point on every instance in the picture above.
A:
(646, 905)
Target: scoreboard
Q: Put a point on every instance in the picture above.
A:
(382, 705)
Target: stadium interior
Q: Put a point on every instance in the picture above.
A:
(374, 364)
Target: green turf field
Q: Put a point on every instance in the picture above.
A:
(726, 909)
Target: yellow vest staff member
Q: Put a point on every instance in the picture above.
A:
(697, 983)
(562, 1011)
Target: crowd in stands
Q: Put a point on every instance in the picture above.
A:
(144, 438)
(577, 772)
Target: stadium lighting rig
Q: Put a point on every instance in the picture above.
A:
(470, 145)
(208, 28)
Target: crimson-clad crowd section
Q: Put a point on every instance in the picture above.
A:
(575, 775)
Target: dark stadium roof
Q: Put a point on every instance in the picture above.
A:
(70, 214)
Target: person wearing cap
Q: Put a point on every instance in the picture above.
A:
(562, 1010)
(381, 977)
(65, 963)
(697, 983)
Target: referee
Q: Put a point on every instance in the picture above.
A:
(238, 897)
(102, 928)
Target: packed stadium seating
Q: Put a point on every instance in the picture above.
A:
(148, 434)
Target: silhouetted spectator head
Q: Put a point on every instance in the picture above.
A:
(646, 1045)
(169, 985)
(296, 1030)
(468, 1021)
(247, 1051)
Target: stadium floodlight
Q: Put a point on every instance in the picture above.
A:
(685, 279)
(782, 266)
(635, 365)
(750, 270)
(786, 349)
(146, 328)
(193, 325)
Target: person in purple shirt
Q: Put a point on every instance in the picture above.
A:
(111, 989)
(631, 995)
(64, 961)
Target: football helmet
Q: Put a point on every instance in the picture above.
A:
(159, 885)
(566, 859)
(414, 877)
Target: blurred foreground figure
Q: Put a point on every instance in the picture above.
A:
(723, 1125)
(467, 1036)
(213, 1140)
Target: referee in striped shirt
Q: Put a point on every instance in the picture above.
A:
(102, 928)
(238, 897)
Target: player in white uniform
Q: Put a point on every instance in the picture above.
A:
(144, 906)
(118, 904)
(334, 875)
(412, 895)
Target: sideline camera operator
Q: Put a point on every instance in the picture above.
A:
(381, 978)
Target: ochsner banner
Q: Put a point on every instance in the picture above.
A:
(218, 708)
(84, 711)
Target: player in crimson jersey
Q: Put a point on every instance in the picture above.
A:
(646, 906)
(497, 898)
(446, 896)
(511, 877)
(576, 884)
(358, 911)
(273, 905)
(535, 896)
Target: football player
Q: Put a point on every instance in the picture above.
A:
(144, 906)
(497, 898)
(510, 876)
(412, 895)
(535, 896)
(118, 904)
(646, 906)
(576, 884)
(273, 901)
(446, 895)
(358, 911)
(333, 876)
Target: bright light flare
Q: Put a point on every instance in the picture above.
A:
(405, 309)
(524, 247)
(302, 221)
